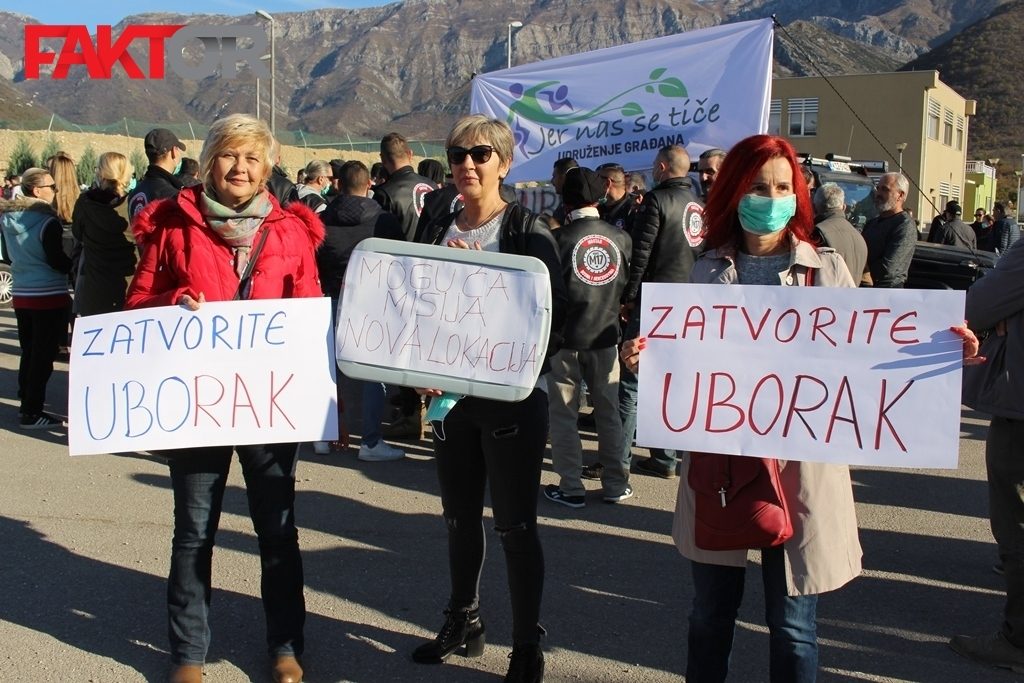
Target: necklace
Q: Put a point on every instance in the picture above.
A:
(466, 227)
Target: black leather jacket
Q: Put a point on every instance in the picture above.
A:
(525, 233)
(667, 233)
(403, 195)
(156, 184)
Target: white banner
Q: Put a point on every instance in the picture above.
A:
(820, 374)
(231, 373)
(465, 320)
(702, 89)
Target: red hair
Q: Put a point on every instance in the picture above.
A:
(734, 178)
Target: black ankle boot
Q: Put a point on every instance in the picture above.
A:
(526, 664)
(461, 627)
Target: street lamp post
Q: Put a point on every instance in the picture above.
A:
(900, 146)
(273, 81)
(508, 51)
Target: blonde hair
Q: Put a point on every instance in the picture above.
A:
(113, 172)
(479, 127)
(65, 177)
(234, 131)
(31, 179)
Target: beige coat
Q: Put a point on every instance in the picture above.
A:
(824, 552)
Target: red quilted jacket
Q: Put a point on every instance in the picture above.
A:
(182, 255)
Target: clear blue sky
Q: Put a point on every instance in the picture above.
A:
(112, 11)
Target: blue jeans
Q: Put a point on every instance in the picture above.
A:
(718, 592)
(664, 459)
(198, 477)
(374, 400)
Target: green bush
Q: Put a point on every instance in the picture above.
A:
(86, 169)
(22, 157)
(139, 163)
(50, 148)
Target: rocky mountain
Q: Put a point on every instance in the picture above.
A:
(982, 63)
(407, 66)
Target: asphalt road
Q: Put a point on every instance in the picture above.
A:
(84, 549)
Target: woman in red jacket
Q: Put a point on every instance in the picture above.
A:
(223, 239)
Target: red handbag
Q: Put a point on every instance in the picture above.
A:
(739, 502)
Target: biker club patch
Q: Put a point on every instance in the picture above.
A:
(693, 225)
(596, 260)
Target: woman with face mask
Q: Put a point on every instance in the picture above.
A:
(759, 221)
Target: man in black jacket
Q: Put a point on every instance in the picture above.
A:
(954, 231)
(594, 257)
(667, 233)
(618, 204)
(164, 151)
(348, 219)
(403, 192)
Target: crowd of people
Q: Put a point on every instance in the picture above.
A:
(190, 232)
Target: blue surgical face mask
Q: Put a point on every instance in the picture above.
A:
(132, 183)
(765, 215)
(177, 168)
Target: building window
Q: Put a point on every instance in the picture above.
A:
(803, 116)
(775, 118)
(960, 132)
(947, 128)
(934, 111)
(955, 193)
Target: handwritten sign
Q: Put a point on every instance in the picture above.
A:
(231, 373)
(818, 374)
(439, 321)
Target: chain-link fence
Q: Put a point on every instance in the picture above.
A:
(194, 131)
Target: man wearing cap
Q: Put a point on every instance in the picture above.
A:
(953, 231)
(164, 151)
(594, 257)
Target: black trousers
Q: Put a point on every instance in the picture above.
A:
(40, 335)
(484, 443)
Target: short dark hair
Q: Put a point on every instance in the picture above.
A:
(354, 176)
(393, 147)
(433, 169)
(564, 164)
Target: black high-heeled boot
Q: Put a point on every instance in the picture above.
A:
(526, 664)
(461, 628)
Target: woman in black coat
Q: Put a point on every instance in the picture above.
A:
(100, 222)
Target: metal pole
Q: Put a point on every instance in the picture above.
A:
(273, 83)
(257, 97)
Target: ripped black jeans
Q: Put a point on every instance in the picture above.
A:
(484, 442)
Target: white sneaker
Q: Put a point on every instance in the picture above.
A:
(381, 451)
(322, 447)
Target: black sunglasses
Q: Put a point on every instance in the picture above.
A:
(481, 154)
(53, 186)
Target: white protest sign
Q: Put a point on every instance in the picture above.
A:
(704, 88)
(820, 374)
(444, 318)
(231, 373)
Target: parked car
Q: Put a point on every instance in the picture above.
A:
(941, 266)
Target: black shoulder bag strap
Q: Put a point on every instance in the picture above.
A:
(243, 283)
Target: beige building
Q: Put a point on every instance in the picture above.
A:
(918, 120)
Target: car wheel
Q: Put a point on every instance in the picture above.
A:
(6, 285)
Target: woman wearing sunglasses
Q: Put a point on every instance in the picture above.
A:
(32, 235)
(483, 442)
